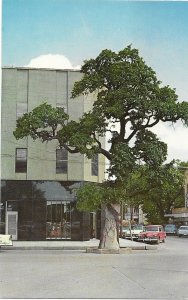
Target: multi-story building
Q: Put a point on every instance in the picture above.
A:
(38, 180)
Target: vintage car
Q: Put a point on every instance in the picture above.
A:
(134, 232)
(5, 240)
(124, 230)
(170, 229)
(183, 231)
(153, 234)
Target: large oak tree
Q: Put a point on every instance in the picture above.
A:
(130, 100)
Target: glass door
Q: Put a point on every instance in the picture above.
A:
(12, 224)
(58, 223)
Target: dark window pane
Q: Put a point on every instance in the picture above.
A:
(94, 165)
(21, 160)
(61, 161)
(19, 189)
(64, 190)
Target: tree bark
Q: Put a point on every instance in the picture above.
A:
(110, 227)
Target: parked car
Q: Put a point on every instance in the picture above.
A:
(5, 240)
(171, 229)
(134, 232)
(153, 234)
(124, 230)
(183, 231)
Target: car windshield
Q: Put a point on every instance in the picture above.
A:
(152, 228)
(137, 227)
(184, 227)
(125, 228)
(169, 226)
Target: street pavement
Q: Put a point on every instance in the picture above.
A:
(74, 245)
(56, 274)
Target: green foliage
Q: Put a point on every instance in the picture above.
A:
(129, 96)
(41, 123)
(150, 149)
(152, 213)
(158, 190)
(127, 87)
(183, 164)
(91, 196)
(82, 134)
(122, 162)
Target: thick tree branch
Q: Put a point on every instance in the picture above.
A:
(152, 124)
(122, 129)
(106, 154)
(70, 150)
(127, 140)
(102, 150)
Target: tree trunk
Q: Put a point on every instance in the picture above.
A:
(110, 227)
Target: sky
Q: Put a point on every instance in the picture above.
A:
(63, 33)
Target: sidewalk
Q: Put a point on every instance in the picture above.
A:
(73, 245)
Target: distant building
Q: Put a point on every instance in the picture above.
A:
(134, 214)
(38, 179)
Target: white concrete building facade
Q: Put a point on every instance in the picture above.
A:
(38, 179)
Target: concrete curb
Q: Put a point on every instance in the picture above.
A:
(150, 247)
(44, 248)
(102, 251)
(110, 251)
(88, 249)
(143, 247)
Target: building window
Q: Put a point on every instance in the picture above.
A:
(21, 109)
(21, 160)
(61, 161)
(94, 165)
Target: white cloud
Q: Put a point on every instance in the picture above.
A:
(52, 61)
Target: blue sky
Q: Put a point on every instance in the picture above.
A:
(80, 29)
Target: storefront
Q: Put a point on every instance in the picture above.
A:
(40, 210)
(179, 216)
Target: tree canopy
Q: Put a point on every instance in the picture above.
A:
(129, 102)
(157, 190)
